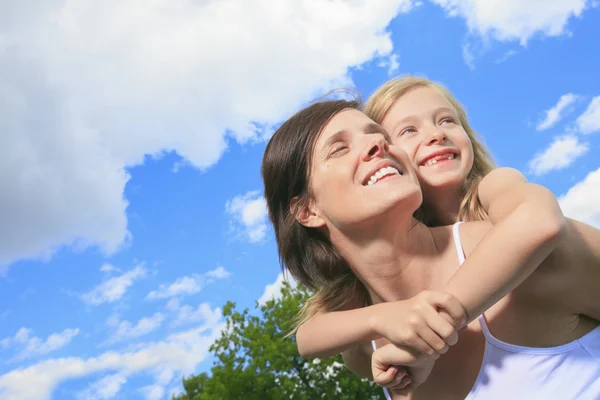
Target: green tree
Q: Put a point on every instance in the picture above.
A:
(255, 361)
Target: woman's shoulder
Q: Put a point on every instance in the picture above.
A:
(471, 233)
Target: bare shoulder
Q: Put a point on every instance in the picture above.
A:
(471, 233)
(498, 181)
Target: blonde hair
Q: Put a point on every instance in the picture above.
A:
(379, 105)
(347, 291)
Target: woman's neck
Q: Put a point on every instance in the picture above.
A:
(398, 264)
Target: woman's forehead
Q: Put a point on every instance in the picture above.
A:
(346, 122)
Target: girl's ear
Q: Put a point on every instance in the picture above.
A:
(307, 214)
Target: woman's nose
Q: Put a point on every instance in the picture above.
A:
(376, 147)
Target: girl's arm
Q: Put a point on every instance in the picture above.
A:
(528, 225)
(414, 322)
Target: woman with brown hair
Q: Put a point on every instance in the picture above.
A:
(342, 199)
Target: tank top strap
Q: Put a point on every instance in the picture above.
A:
(386, 392)
(458, 243)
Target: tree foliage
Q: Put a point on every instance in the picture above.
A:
(256, 361)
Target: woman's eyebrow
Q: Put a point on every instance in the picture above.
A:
(376, 128)
(339, 135)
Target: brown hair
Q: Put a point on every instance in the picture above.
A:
(305, 252)
(383, 99)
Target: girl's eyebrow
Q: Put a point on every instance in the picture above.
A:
(445, 109)
(435, 112)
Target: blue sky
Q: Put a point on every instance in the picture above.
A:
(132, 136)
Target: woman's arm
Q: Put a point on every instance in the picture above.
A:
(528, 225)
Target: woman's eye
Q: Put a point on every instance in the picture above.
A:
(336, 151)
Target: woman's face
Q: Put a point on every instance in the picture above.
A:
(356, 176)
(425, 125)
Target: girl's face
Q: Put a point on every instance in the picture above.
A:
(425, 125)
(356, 176)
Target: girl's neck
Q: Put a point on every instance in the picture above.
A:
(445, 205)
(397, 264)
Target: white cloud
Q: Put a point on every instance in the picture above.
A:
(153, 392)
(581, 201)
(177, 355)
(218, 273)
(182, 286)
(108, 268)
(561, 153)
(506, 56)
(114, 288)
(89, 88)
(187, 285)
(125, 330)
(391, 63)
(509, 20)
(34, 346)
(589, 121)
(556, 113)
(186, 314)
(248, 214)
(273, 290)
(105, 388)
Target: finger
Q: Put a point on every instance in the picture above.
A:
(451, 305)
(402, 383)
(412, 337)
(384, 377)
(397, 378)
(391, 354)
(440, 334)
(405, 382)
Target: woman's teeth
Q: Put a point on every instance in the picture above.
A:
(385, 171)
(434, 160)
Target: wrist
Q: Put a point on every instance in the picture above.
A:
(374, 320)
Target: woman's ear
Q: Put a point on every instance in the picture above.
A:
(306, 214)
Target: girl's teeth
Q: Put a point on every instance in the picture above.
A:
(433, 161)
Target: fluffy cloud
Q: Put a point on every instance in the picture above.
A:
(34, 346)
(114, 288)
(248, 214)
(89, 88)
(581, 201)
(105, 388)
(589, 121)
(187, 285)
(218, 273)
(165, 360)
(186, 314)
(273, 290)
(561, 153)
(509, 20)
(125, 330)
(556, 113)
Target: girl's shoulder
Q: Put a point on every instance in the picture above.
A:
(498, 181)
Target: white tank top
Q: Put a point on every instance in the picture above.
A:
(567, 372)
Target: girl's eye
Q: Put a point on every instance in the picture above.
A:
(448, 120)
(407, 131)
